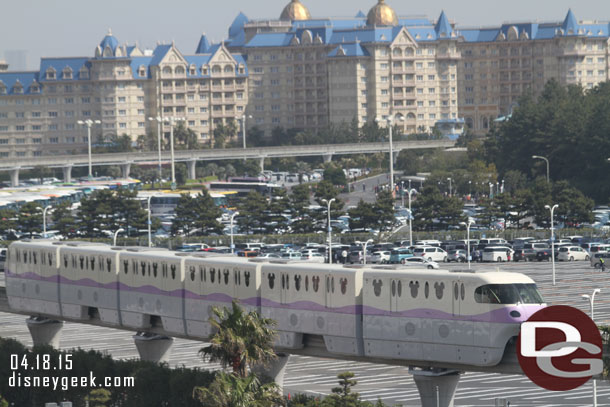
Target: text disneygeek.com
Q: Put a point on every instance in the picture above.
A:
(64, 383)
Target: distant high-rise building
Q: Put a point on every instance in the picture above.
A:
(17, 59)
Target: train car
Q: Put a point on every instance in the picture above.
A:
(442, 316)
(318, 299)
(89, 281)
(31, 277)
(151, 289)
(215, 281)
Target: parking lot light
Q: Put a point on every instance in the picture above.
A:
(552, 238)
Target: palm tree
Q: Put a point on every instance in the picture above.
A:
(231, 390)
(242, 339)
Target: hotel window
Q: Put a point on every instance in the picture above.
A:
(431, 77)
(3, 141)
(420, 103)
(70, 139)
(52, 114)
(52, 127)
(191, 122)
(203, 110)
(36, 127)
(20, 141)
(70, 113)
(122, 112)
(121, 99)
(36, 140)
(420, 116)
(420, 77)
(203, 122)
(70, 126)
(51, 101)
(141, 124)
(384, 91)
(54, 140)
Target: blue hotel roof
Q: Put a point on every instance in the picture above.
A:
(59, 64)
(26, 79)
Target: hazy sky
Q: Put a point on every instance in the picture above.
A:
(56, 28)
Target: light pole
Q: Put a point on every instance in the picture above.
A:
(149, 223)
(390, 121)
(470, 222)
(548, 179)
(491, 190)
(552, 237)
(330, 246)
(591, 299)
(469, 189)
(116, 234)
(172, 122)
(44, 221)
(410, 219)
(158, 119)
(450, 187)
(243, 127)
(232, 245)
(364, 250)
(402, 193)
(89, 123)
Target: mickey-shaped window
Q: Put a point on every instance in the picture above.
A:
(439, 287)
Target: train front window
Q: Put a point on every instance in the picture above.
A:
(508, 294)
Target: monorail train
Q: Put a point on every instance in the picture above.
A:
(375, 311)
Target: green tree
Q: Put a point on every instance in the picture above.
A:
(29, 218)
(300, 201)
(335, 175)
(242, 340)
(185, 138)
(363, 216)
(8, 220)
(128, 211)
(197, 213)
(147, 142)
(63, 219)
(343, 396)
(384, 210)
(99, 398)
(230, 390)
(252, 209)
(432, 210)
(224, 133)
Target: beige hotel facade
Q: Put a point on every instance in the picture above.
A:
(301, 72)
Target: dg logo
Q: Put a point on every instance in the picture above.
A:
(560, 348)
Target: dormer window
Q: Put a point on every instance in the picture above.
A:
(193, 70)
(50, 74)
(83, 73)
(18, 89)
(66, 73)
(34, 89)
(2, 89)
(142, 70)
(204, 70)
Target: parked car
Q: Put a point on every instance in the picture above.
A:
(571, 253)
(292, 256)
(269, 256)
(431, 253)
(544, 254)
(596, 259)
(496, 253)
(381, 257)
(314, 257)
(600, 248)
(193, 247)
(458, 255)
(421, 262)
(524, 255)
(248, 253)
(400, 255)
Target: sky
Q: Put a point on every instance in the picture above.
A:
(61, 28)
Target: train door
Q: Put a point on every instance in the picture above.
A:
(284, 293)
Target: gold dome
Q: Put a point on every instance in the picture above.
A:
(382, 14)
(295, 11)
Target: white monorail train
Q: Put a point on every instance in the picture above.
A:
(385, 312)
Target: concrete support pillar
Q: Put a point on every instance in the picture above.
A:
(261, 163)
(191, 166)
(125, 168)
(327, 158)
(395, 155)
(14, 172)
(67, 170)
(275, 370)
(436, 386)
(44, 331)
(152, 347)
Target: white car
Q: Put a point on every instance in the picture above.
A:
(430, 253)
(380, 257)
(496, 253)
(421, 262)
(313, 257)
(571, 253)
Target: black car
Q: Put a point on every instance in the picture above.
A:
(543, 254)
(525, 255)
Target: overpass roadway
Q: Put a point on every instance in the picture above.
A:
(125, 160)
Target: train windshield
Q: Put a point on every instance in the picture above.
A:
(508, 294)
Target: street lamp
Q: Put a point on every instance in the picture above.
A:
(548, 179)
(44, 221)
(158, 119)
(591, 299)
(243, 127)
(467, 224)
(232, 245)
(364, 250)
(410, 218)
(149, 223)
(172, 122)
(89, 123)
(552, 237)
(330, 246)
(389, 122)
(116, 234)
(450, 191)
